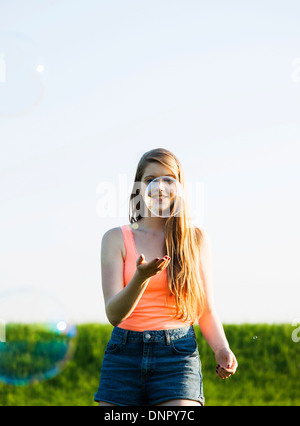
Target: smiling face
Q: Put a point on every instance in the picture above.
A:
(161, 192)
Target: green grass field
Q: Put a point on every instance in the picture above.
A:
(268, 373)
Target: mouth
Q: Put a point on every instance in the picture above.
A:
(160, 198)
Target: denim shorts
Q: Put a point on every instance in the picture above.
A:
(146, 368)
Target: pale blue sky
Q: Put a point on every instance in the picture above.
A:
(215, 82)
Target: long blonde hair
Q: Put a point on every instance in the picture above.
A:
(182, 242)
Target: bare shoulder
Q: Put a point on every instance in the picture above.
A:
(112, 241)
(204, 242)
(202, 233)
(112, 233)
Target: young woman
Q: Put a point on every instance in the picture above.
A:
(157, 282)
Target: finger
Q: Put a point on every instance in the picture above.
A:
(226, 373)
(220, 375)
(227, 370)
(235, 363)
(165, 262)
(160, 262)
(228, 361)
(161, 266)
(155, 261)
(224, 376)
(165, 265)
(140, 259)
(164, 259)
(219, 372)
(232, 367)
(158, 266)
(222, 372)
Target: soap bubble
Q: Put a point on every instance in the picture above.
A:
(40, 339)
(164, 197)
(21, 70)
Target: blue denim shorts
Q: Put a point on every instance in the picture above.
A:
(146, 368)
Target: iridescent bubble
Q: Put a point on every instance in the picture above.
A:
(40, 339)
(21, 84)
(164, 197)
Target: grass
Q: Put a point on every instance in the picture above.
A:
(268, 373)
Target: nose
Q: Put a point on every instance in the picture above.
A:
(161, 185)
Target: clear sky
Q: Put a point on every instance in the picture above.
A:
(217, 83)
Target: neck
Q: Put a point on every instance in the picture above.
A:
(152, 224)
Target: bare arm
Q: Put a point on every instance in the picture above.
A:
(209, 323)
(120, 301)
(122, 304)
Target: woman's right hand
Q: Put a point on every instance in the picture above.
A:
(149, 269)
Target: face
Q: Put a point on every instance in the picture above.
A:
(155, 170)
(162, 190)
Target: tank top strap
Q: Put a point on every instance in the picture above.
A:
(129, 243)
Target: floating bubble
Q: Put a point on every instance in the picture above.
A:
(40, 68)
(40, 339)
(164, 197)
(61, 326)
(21, 84)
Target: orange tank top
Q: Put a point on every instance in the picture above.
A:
(152, 311)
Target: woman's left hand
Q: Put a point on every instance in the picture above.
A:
(226, 363)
